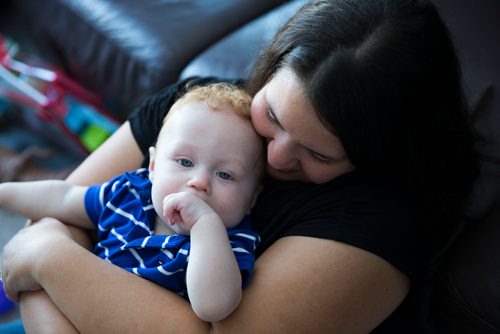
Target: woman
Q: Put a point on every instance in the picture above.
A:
(370, 157)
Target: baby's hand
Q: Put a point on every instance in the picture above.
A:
(183, 210)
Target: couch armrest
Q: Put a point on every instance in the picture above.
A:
(233, 56)
(467, 291)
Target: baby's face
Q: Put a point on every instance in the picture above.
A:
(215, 155)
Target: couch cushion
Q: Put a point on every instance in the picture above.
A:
(128, 49)
(467, 290)
(234, 55)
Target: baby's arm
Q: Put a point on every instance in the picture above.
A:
(48, 198)
(213, 277)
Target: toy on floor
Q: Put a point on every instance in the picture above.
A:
(77, 112)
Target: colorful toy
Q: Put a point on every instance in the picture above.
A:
(76, 111)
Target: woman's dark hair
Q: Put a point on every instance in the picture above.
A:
(383, 75)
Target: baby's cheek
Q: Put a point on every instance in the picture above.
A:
(231, 214)
(157, 202)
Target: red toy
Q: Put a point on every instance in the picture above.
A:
(55, 97)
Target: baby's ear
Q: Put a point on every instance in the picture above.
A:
(151, 167)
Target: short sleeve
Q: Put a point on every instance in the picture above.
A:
(93, 203)
(96, 198)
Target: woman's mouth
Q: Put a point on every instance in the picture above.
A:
(281, 170)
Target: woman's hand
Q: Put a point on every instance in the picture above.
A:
(24, 252)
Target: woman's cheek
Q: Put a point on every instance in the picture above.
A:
(259, 121)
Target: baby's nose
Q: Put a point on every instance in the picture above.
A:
(200, 181)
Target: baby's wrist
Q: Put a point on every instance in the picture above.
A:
(208, 220)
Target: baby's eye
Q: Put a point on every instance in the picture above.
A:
(185, 163)
(224, 175)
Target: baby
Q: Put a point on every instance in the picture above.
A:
(182, 222)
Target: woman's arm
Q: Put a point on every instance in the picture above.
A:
(50, 321)
(301, 284)
(38, 312)
(311, 285)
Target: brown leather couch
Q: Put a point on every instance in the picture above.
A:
(129, 49)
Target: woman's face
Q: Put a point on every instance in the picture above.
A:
(299, 147)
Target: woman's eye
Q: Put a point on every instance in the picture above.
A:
(185, 163)
(322, 158)
(271, 117)
(224, 175)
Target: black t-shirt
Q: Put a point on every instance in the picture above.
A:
(352, 208)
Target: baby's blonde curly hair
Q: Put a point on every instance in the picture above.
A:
(218, 96)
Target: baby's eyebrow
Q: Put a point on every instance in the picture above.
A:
(235, 163)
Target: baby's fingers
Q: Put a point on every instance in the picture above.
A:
(188, 207)
(174, 217)
(171, 209)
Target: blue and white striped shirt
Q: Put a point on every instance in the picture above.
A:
(124, 215)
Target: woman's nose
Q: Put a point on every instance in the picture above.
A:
(281, 154)
(200, 181)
